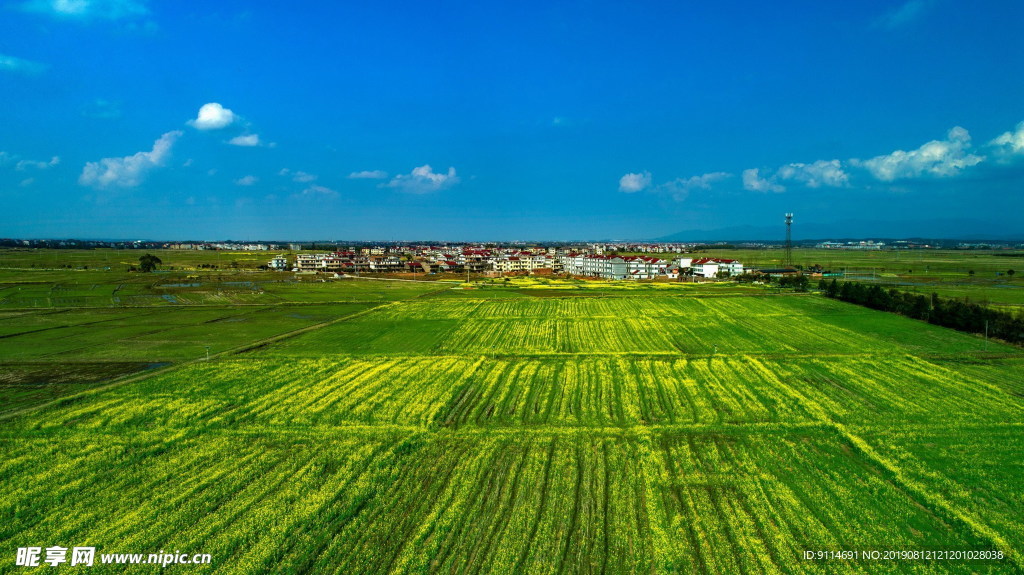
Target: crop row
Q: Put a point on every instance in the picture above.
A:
(454, 392)
(353, 501)
(609, 308)
(977, 468)
(782, 325)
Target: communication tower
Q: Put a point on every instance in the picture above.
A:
(789, 240)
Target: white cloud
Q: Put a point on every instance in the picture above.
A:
(755, 183)
(129, 171)
(631, 183)
(246, 140)
(423, 180)
(246, 181)
(1010, 143)
(213, 116)
(102, 110)
(297, 176)
(940, 158)
(26, 164)
(88, 9)
(317, 190)
(20, 65)
(821, 173)
(23, 165)
(680, 188)
(368, 175)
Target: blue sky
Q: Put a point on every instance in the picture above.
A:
(527, 120)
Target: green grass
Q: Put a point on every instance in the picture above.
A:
(27, 384)
(154, 335)
(95, 323)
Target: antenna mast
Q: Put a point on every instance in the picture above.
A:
(789, 240)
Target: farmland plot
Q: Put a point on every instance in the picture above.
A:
(598, 435)
(674, 325)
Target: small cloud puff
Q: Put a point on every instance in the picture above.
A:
(20, 65)
(423, 180)
(26, 164)
(1010, 143)
(318, 190)
(821, 173)
(245, 140)
(88, 9)
(631, 183)
(298, 176)
(213, 116)
(23, 165)
(680, 188)
(753, 182)
(102, 110)
(247, 181)
(129, 171)
(368, 175)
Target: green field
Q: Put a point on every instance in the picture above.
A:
(63, 331)
(99, 278)
(946, 272)
(395, 428)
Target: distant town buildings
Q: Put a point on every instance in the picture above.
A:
(581, 261)
(862, 245)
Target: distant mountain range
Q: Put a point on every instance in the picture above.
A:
(947, 229)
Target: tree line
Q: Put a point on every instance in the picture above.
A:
(946, 312)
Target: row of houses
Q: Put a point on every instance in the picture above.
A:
(618, 267)
(478, 262)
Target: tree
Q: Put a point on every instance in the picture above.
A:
(149, 262)
(1010, 273)
(798, 283)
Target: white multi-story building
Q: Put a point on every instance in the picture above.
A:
(318, 262)
(615, 267)
(386, 264)
(278, 263)
(645, 268)
(592, 265)
(710, 267)
(523, 262)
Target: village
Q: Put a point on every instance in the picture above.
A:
(592, 261)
